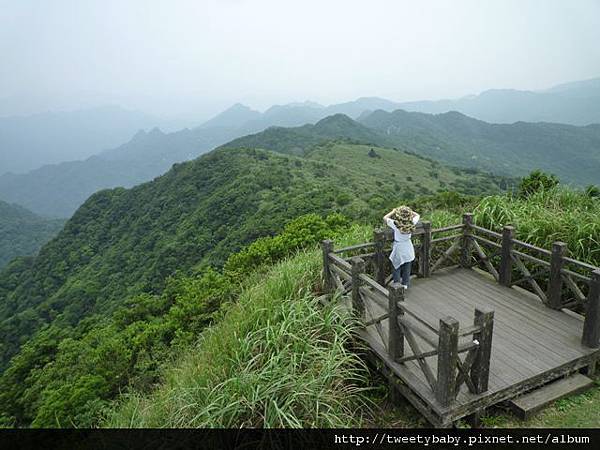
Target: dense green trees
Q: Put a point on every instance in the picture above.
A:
(65, 376)
(78, 357)
(22, 233)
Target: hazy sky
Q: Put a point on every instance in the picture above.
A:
(182, 56)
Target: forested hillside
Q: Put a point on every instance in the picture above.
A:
(22, 233)
(123, 243)
(572, 153)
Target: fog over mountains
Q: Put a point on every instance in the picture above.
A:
(57, 190)
(576, 103)
(29, 142)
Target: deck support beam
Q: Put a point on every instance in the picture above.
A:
(328, 284)
(445, 387)
(505, 275)
(591, 325)
(559, 251)
(395, 333)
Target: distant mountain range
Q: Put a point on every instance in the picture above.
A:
(58, 190)
(571, 152)
(576, 103)
(29, 142)
(23, 233)
(248, 120)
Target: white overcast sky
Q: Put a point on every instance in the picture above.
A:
(196, 57)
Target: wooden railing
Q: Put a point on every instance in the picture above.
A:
(364, 272)
(444, 340)
(558, 281)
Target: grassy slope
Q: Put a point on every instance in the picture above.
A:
(297, 140)
(397, 171)
(274, 358)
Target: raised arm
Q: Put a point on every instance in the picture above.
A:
(387, 219)
(415, 218)
(388, 215)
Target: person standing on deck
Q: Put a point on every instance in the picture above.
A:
(403, 221)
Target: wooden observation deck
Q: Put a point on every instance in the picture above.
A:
(487, 319)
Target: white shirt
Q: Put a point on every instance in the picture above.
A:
(403, 250)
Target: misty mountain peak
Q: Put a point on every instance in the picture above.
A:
(141, 133)
(155, 132)
(237, 107)
(234, 116)
(306, 105)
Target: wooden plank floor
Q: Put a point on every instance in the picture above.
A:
(529, 339)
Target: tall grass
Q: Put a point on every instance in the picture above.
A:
(558, 214)
(276, 359)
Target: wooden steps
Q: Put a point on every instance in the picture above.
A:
(527, 405)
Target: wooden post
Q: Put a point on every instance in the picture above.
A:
(358, 268)
(591, 325)
(465, 255)
(447, 361)
(327, 247)
(559, 250)
(505, 277)
(395, 334)
(480, 370)
(425, 259)
(379, 239)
